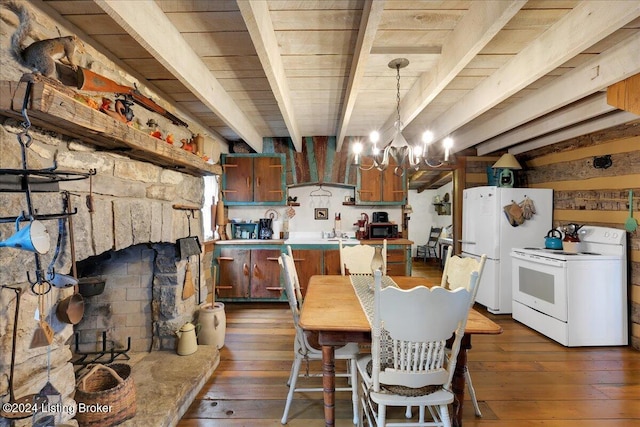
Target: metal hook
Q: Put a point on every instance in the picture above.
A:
(39, 282)
(25, 139)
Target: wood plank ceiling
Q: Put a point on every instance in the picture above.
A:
(491, 74)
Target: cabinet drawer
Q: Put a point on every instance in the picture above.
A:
(396, 270)
(395, 255)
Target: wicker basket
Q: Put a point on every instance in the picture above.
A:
(106, 396)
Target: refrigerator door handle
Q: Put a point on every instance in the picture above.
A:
(466, 242)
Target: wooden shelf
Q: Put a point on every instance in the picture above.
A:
(51, 109)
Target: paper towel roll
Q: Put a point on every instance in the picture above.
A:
(276, 226)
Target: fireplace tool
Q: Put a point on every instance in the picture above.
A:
(44, 333)
(48, 391)
(189, 245)
(20, 408)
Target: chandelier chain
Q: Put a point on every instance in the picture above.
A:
(398, 94)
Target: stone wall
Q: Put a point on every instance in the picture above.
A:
(132, 208)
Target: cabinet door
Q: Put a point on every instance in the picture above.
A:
(265, 274)
(332, 261)
(376, 186)
(396, 262)
(238, 179)
(233, 266)
(369, 182)
(268, 185)
(308, 263)
(393, 188)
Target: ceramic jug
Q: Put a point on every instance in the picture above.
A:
(187, 341)
(213, 323)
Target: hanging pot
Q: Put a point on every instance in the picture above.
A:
(90, 286)
(71, 309)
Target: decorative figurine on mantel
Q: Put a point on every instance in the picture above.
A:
(40, 56)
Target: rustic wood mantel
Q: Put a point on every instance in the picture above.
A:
(53, 110)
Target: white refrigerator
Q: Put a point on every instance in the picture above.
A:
(486, 229)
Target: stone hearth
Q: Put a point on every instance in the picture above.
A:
(167, 384)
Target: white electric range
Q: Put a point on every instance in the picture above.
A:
(576, 299)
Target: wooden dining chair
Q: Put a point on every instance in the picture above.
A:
(305, 349)
(429, 249)
(409, 362)
(456, 275)
(356, 259)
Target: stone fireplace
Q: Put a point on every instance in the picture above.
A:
(141, 306)
(128, 237)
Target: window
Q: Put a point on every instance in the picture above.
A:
(210, 199)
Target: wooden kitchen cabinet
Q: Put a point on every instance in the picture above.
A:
(397, 262)
(253, 179)
(375, 187)
(233, 272)
(308, 263)
(332, 261)
(265, 274)
(246, 273)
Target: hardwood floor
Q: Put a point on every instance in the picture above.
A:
(522, 379)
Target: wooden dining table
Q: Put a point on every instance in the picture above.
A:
(332, 309)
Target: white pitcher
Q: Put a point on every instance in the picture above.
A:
(187, 341)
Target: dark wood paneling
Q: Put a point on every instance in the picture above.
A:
(318, 162)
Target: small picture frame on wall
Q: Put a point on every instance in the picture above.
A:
(321, 213)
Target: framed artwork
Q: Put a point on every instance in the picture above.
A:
(321, 213)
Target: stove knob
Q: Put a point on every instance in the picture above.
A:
(606, 234)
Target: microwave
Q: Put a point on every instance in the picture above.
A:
(383, 230)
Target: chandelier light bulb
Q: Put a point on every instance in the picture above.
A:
(448, 145)
(427, 137)
(374, 137)
(357, 149)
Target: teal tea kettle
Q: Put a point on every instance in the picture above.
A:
(553, 240)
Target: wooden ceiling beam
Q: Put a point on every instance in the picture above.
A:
(475, 30)
(166, 44)
(625, 95)
(594, 75)
(257, 18)
(371, 15)
(585, 25)
(437, 181)
(589, 108)
(594, 125)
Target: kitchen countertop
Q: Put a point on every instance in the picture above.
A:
(310, 241)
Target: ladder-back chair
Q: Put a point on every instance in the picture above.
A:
(430, 249)
(304, 350)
